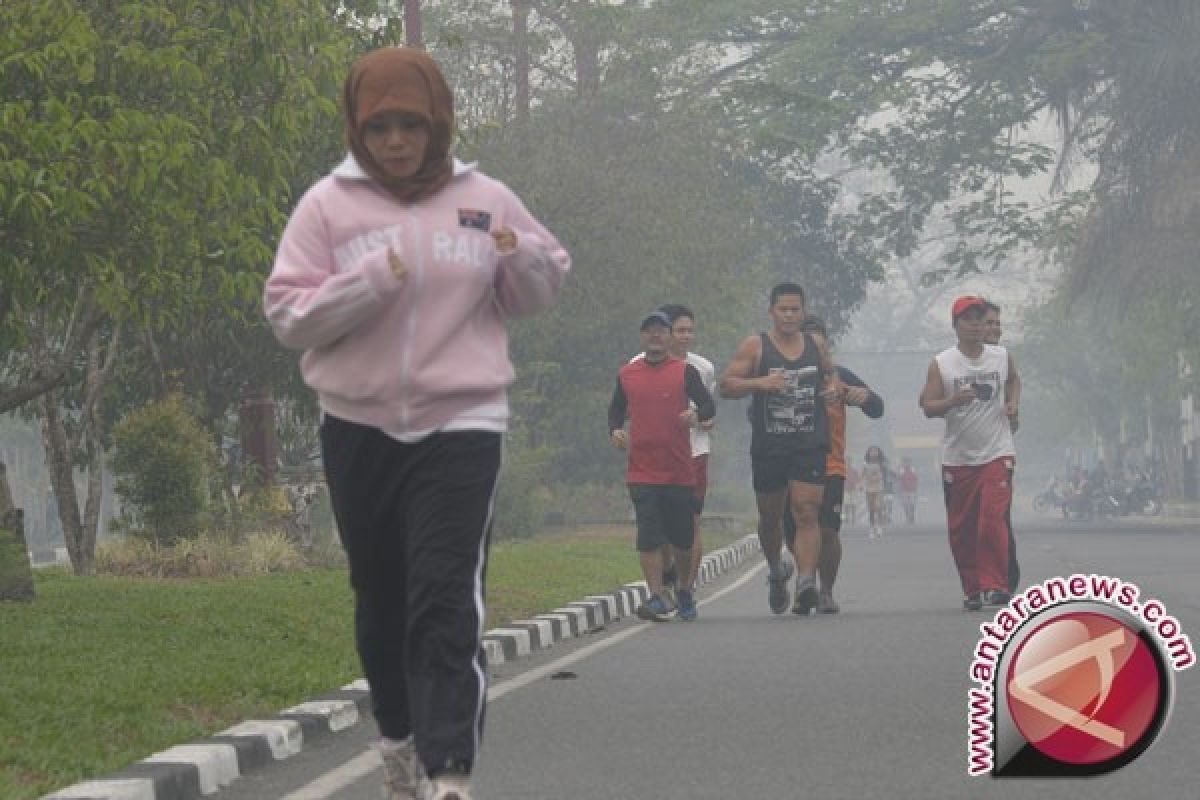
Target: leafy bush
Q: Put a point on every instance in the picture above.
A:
(163, 462)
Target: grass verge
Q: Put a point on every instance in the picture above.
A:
(98, 673)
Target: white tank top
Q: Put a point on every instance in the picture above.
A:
(978, 432)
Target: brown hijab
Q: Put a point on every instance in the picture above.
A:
(401, 79)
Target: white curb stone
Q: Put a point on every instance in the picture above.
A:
(338, 714)
(520, 636)
(561, 623)
(544, 627)
(494, 651)
(133, 789)
(285, 737)
(608, 601)
(216, 763)
(579, 614)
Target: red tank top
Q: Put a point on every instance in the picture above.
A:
(660, 451)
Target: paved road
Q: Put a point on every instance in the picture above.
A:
(867, 704)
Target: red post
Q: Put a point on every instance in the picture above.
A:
(257, 417)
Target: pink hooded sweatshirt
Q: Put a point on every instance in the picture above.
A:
(427, 353)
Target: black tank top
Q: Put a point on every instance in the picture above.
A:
(783, 422)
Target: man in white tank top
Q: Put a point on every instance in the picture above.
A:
(975, 387)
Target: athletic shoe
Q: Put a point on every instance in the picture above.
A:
(654, 610)
(777, 580)
(997, 597)
(973, 603)
(806, 595)
(670, 597)
(670, 577)
(448, 786)
(403, 778)
(827, 605)
(687, 605)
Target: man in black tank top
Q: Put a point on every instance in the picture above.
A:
(786, 372)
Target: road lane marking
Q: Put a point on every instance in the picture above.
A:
(365, 763)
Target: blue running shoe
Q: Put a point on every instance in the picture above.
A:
(654, 610)
(806, 596)
(687, 605)
(777, 581)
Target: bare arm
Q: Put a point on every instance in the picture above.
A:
(934, 402)
(738, 379)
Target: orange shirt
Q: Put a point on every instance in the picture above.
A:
(835, 462)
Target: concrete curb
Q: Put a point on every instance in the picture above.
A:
(199, 769)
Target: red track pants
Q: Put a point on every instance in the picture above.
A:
(977, 500)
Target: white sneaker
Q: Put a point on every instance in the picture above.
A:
(448, 786)
(403, 777)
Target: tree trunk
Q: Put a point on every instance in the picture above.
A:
(16, 576)
(91, 505)
(62, 479)
(587, 65)
(520, 10)
(412, 24)
(98, 372)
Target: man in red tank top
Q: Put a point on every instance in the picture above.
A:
(652, 393)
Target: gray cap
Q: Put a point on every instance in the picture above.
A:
(656, 318)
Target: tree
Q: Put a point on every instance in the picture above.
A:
(657, 199)
(143, 147)
(148, 156)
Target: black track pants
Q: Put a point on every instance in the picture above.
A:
(415, 521)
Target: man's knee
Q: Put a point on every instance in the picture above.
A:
(805, 513)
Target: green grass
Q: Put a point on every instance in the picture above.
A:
(98, 673)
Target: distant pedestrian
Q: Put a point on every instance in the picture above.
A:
(993, 330)
(853, 490)
(909, 482)
(974, 386)
(396, 275)
(656, 394)
(875, 478)
(787, 372)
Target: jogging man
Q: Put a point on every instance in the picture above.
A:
(654, 393)
(850, 391)
(786, 372)
(992, 333)
(683, 333)
(974, 386)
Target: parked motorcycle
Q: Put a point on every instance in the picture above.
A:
(1051, 499)
(1142, 498)
(1107, 503)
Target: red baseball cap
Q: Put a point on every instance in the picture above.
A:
(964, 304)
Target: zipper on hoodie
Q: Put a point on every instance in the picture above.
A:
(416, 277)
